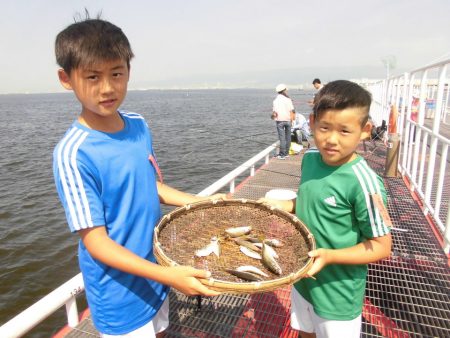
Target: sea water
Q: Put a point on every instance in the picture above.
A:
(199, 136)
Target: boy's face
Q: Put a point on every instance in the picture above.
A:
(337, 134)
(101, 88)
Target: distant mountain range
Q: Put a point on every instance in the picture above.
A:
(299, 77)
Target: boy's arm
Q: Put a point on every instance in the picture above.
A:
(172, 196)
(107, 251)
(369, 251)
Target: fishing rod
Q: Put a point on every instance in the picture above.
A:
(225, 139)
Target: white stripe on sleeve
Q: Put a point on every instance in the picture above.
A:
(63, 179)
(87, 211)
(356, 168)
(68, 171)
(384, 227)
(372, 186)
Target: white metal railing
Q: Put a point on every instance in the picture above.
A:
(66, 294)
(230, 178)
(422, 99)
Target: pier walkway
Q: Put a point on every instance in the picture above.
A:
(408, 295)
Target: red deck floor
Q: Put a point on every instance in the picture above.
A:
(408, 295)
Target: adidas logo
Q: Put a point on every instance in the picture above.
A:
(331, 201)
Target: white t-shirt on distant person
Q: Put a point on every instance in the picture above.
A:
(283, 106)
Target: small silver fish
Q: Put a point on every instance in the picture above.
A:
(269, 261)
(247, 244)
(212, 247)
(276, 243)
(272, 252)
(245, 275)
(269, 248)
(238, 231)
(249, 253)
(251, 238)
(252, 269)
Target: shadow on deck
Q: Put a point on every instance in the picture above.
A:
(408, 295)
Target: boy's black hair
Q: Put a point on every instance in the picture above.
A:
(87, 42)
(316, 81)
(340, 95)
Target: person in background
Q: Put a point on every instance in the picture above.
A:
(343, 203)
(318, 86)
(283, 113)
(105, 173)
(301, 130)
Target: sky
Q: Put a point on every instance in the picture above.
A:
(232, 43)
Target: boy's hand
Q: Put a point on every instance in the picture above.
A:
(369, 251)
(185, 280)
(269, 201)
(217, 197)
(280, 204)
(209, 198)
(320, 261)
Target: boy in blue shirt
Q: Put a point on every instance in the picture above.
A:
(342, 201)
(105, 173)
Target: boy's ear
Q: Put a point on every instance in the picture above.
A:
(64, 79)
(366, 131)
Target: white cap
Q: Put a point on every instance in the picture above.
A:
(280, 88)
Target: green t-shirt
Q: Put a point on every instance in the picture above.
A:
(336, 205)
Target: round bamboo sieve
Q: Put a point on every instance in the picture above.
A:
(189, 228)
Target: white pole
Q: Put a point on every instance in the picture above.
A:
(434, 140)
(447, 231)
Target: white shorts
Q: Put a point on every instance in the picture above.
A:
(303, 318)
(158, 324)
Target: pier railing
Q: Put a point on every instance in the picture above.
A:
(230, 178)
(422, 100)
(66, 294)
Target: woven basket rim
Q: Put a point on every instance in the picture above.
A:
(228, 286)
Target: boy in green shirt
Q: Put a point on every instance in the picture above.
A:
(342, 201)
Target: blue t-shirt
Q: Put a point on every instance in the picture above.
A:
(106, 179)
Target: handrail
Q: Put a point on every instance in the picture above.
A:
(36, 313)
(67, 292)
(432, 65)
(424, 151)
(231, 176)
